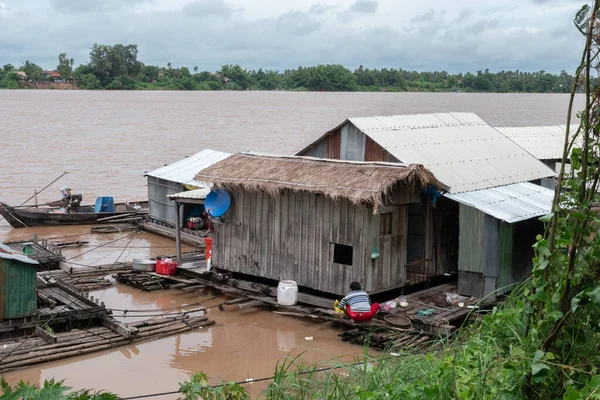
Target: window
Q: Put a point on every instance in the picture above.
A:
(342, 254)
(385, 224)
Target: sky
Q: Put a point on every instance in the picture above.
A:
(425, 35)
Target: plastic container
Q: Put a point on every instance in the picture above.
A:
(143, 265)
(208, 252)
(165, 267)
(287, 293)
(104, 204)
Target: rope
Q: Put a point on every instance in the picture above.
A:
(248, 381)
(102, 245)
(166, 308)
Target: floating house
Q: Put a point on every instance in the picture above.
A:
(322, 223)
(176, 178)
(467, 156)
(546, 143)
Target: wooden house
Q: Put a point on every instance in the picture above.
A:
(321, 223)
(471, 159)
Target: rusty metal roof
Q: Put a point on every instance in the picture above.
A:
(184, 171)
(462, 150)
(510, 203)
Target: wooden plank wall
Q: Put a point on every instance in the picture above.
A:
(292, 236)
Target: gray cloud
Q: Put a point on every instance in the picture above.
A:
(364, 7)
(453, 39)
(208, 8)
(83, 6)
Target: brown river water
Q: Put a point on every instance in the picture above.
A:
(107, 140)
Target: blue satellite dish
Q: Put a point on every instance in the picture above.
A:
(217, 202)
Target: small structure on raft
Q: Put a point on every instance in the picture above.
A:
(177, 179)
(321, 223)
(489, 197)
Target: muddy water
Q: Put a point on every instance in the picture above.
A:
(243, 344)
(107, 140)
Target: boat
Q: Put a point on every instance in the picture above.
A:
(57, 213)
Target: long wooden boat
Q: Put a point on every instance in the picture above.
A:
(21, 217)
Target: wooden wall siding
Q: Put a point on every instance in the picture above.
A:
(373, 151)
(471, 250)
(389, 270)
(446, 231)
(352, 143)
(334, 145)
(290, 237)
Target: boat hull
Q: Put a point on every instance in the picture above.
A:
(19, 217)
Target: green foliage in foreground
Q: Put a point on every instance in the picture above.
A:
(51, 390)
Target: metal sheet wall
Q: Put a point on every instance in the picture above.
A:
(505, 268)
(471, 249)
(159, 206)
(352, 143)
(292, 236)
(18, 289)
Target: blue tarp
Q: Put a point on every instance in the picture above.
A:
(104, 204)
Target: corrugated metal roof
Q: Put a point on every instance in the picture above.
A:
(198, 194)
(9, 254)
(510, 203)
(544, 142)
(462, 150)
(183, 171)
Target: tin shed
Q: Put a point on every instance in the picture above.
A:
(321, 223)
(18, 284)
(176, 178)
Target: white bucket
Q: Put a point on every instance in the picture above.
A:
(287, 293)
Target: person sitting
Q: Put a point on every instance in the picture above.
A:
(70, 199)
(357, 304)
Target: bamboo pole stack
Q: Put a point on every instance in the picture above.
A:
(145, 282)
(383, 339)
(25, 352)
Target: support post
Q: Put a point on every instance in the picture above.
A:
(178, 232)
(35, 193)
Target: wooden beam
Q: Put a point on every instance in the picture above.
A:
(48, 337)
(252, 303)
(178, 231)
(122, 329)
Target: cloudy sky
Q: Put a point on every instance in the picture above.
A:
(424, 35)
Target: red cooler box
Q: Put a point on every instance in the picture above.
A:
(166, 268)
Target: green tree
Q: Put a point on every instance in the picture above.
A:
(65, 66)
(33, 71)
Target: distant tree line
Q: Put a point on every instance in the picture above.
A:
(117, 67)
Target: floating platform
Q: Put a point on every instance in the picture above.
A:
(188, 236)
(49, 346)
(41, 250)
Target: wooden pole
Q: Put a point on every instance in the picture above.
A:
(178, 232)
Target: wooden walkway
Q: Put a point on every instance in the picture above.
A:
(46, 253)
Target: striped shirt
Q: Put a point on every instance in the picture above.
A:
(358, 300)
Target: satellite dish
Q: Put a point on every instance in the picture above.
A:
(217, 203)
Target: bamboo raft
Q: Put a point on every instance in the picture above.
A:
(384, 339)
(85, 280)
(47, 346)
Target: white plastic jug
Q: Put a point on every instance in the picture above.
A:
(287, 293)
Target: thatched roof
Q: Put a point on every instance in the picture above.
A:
(359, 182)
